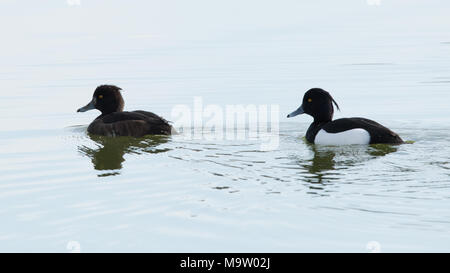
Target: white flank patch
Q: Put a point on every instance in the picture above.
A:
(354, 136)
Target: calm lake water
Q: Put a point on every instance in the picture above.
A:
(62, 190)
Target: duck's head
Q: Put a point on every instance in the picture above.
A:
(317, 103)
(107, 99)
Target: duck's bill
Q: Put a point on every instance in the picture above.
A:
(297, 112)
(89, 106)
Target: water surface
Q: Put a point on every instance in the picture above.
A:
(174, 194)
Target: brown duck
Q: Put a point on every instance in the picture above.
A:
(115, 122)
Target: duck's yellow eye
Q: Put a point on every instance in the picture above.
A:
(100, 96)
(309, 100)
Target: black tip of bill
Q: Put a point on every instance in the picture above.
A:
(297, 112)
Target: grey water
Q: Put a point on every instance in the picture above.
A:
(63, 190)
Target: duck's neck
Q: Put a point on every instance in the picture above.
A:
(322, 119)
(325, 114)
(105, 113)
(114, 107)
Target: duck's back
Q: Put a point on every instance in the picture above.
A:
(377, 132)
(137, 124)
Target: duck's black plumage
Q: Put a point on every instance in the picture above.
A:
(319, 104)
(115, 122)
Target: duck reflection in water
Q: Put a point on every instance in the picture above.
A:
(108, 155)
(330, 162)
